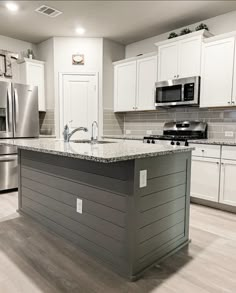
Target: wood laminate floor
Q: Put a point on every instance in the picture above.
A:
(34, 260)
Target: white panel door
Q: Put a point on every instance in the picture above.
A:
(217, 73)
(228, 182)
(189, 57)
(35, 76)
(125, 87)
(146, 78)
(168, 61)
(205, 178)
(80, 102)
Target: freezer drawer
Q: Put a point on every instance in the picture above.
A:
(8, 172)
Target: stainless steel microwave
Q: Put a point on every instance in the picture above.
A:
(178, 92)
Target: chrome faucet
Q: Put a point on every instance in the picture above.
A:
(67, 135)
(93, 138)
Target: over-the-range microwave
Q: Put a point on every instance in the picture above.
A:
(178, 92)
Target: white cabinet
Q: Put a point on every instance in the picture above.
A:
(125, 86)
(190, 57)
(228, 182)
(206, 150)
(168, 61)
(205, 177)
(146, 78)
(217, 73)
(31, 72)
(180, 59)
(134, 84)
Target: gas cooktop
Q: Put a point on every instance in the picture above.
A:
(179, 133)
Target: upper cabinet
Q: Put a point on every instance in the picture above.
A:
(134, 84)
(168, 61)
(218, 79)
(31, 72)
(125, 86)
(180, 57)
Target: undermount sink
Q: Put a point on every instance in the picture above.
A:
(89, 141)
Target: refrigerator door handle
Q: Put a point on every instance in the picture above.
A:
(16, 109)
(9, 111)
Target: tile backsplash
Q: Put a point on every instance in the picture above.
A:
(113, 124)
(219, 121)
(47, 122)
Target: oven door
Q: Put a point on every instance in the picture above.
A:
(8, 168)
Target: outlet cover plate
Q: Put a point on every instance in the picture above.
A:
(229, 134)
(79, 206)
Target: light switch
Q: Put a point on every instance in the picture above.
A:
(143, 178)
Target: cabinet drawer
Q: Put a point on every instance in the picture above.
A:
(229, 152)
(206, 150)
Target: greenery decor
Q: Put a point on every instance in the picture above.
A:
(202, 26)
(185, 31)
(30, 53)
(172, 35)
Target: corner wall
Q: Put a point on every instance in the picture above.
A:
(112, 123)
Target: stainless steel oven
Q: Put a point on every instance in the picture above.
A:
(178, 92)
(8, 168)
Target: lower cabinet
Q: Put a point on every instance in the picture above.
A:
(228, 182)
(213, 177)
(205, 178)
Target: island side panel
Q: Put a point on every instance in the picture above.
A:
(161, 209)
(51, 184)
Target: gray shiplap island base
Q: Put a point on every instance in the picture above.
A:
(127, 227)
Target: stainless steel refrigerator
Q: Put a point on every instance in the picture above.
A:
(19, 118)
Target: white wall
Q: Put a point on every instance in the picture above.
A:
(16, 46)
(112, 52)
(45, 52)
(217, 25)
(64, 48)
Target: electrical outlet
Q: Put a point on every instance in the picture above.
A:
(229, 133)
(142, 178)
(127, 131)
(79, 206)
(149, 132)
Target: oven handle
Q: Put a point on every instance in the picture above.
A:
(8, 158)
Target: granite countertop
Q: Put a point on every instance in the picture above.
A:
(115, 151)
(215, 141)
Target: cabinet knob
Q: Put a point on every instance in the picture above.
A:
(233, 102)
(229, 103)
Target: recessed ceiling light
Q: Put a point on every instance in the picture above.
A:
(12, 6)
(80, 30)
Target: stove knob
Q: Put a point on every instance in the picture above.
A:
(186, 143)
(148, 141)
(172, 143)
(177, 143)
(153, 141)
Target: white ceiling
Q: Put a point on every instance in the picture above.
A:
(121, 21)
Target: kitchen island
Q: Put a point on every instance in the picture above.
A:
(124, 202)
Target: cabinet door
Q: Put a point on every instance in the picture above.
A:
(168, 61)
(146, 78)
(189, 57)
(217, 73)
(35, 76)
(205, 178)
(125, 87)
(228, 182)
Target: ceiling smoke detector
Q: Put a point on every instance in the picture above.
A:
(48, 11)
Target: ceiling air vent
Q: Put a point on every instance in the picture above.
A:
(48, 11)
